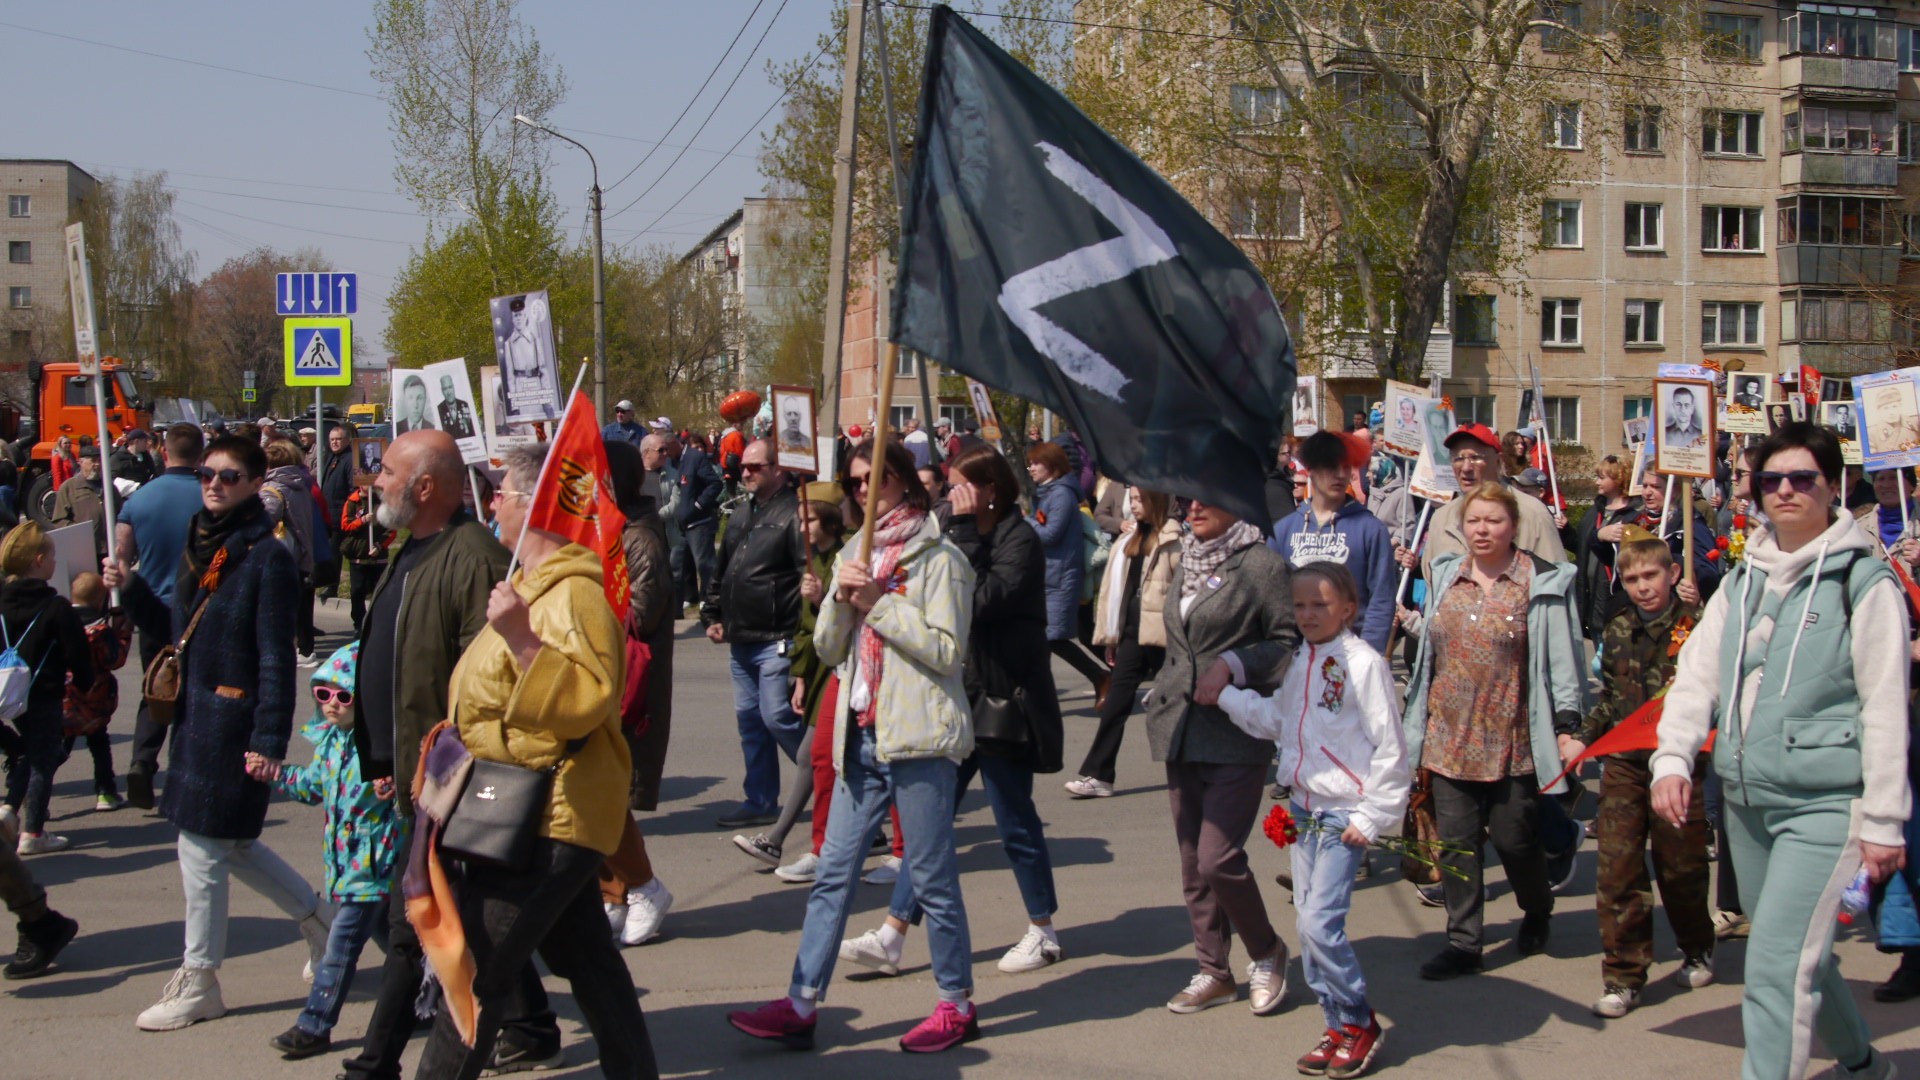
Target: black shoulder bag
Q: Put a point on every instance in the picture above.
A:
(499, 813)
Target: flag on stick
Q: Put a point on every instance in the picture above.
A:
(1639, 731)
(574, 497)
(1043, 258)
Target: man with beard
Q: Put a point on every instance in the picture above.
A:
(431, 602)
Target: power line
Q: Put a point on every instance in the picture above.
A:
(704, 83)
(298, 228)
(195, 63)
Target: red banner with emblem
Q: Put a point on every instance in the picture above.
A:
(1639, 731)
(575, 498)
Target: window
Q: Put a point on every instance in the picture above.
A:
(1473, 410)
(19, 206)
(1838, 30)
(20, 342)
(1634, 408)
(1643, 322)
(1564, 37)
(1560, 322)
(19, 296)
(1909, 142)
(1729, 324)
(1258, 104)
(1733, 37)
(1562, 415)
(1643, 129)
(1847, 220)
(1909, 48)
(1835, 130)
(19, 251)
(898, 415)
(904, 366)
(1643, 226)
(1910, 235)
(953, 414)
(1815, 317)
(1560, 223)
(1474, 320)
(1730, 228)
(1730, 134)
(1284, 218)
(1563, 125)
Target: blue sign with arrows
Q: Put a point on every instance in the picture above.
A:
(317, 294)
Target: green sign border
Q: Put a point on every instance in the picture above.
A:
(345, 324)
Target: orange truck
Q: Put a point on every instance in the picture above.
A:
(63, 405)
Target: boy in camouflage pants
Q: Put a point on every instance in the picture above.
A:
(1638, 652)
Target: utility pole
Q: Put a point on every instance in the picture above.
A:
(841, 237)
(599, 275)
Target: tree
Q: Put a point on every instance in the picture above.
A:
(142, 276)
(680, 333)
(236, 327)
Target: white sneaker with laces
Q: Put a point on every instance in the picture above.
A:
(192, 995)
(1616, 1002)
(1089, 788)
(647, 908)
(1267, 983)
(800, 871)
(40, 843)
(886, 873)
(1032, 952)
(1695, 973)
(867, 951)
(616, 918)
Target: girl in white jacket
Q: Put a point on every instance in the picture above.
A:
(1336, 720)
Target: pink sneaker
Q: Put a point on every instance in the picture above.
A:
(947, 1028)
(777, 1021)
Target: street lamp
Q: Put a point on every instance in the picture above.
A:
(599, 275)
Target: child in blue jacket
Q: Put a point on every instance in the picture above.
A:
(364, 835)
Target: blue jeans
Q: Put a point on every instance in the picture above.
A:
(763, 705)
(1010, 791)
(1323, 869)
(923, 790)
(353, 924)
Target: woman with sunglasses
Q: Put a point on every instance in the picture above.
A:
(1797, 664)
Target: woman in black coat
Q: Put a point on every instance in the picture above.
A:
(1008, 675)
(48, 638)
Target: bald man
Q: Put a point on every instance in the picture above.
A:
(429, 603)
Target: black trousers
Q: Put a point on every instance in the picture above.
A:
(1133, 664)
(1470, 813)
(1079, 659)
(148, 737)
(393, 1021)
(552, 906)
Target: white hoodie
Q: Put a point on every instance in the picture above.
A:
(1879, 647)
(1336, 720)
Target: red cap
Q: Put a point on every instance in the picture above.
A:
(1477, 432)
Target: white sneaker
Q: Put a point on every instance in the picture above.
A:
(1033, 952)
(1267, 983)
(1616, 1002)
(867, 951)
(106, 803)
(40, 843)
(800, 871)
(192, 995)
(647, 908)
(1089, 788)
(1695, 973)
(886, 873)
(616, 918)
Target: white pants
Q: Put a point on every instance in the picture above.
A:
(206, 864)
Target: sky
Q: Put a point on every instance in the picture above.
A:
(120, 86)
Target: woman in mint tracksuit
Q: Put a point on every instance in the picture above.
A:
(1799, 662)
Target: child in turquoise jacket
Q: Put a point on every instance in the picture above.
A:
(364, 835)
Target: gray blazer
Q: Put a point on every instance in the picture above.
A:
(1249, 614)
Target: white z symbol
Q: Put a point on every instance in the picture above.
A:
(1140, 244)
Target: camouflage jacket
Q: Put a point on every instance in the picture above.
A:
(1637, 659)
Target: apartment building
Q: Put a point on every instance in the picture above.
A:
(1762, 217)
(748, 253)
(42, 196)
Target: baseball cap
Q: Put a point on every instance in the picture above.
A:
(1479, 433)
(1531, 478)
(623, 405)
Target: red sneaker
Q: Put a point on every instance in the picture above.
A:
(1357, 1047)
(777, 1021)
(947, 1028)
(1314, 1062)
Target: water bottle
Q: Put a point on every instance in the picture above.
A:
(1854, 899)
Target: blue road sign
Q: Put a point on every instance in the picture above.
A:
(319, 352)
(317, 294)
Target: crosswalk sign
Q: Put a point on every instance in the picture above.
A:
(319, 352)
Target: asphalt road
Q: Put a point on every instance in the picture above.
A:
(730, 940)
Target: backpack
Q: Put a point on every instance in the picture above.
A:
(16, 678)
(1099, 547)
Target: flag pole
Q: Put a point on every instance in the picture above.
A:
(877, 475)
(547, 465)
(840, 236)
(900, 198)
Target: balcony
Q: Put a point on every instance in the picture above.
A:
(1841, 170)
(1814, 75)
(1838, 264)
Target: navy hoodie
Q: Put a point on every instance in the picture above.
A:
(1356, 539)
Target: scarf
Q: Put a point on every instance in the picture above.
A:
(1200, 558)
(890, 536)
(1892, 525)
(427, 891)
(209, 532)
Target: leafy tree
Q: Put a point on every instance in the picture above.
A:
(235, 327)
(142, 275)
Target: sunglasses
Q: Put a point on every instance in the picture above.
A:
(327, 695)
(854, 483)
(228, 477)
(1801, 479)
(753, 467)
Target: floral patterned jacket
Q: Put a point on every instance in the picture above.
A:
(364, 832)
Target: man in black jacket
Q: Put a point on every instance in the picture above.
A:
(699, 500)
(753, 604)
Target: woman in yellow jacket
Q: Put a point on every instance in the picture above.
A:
(541, 685)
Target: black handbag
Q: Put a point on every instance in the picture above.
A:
(1000, 723)
(500, 811)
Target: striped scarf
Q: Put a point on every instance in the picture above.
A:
(890, 536)
(1200, 558)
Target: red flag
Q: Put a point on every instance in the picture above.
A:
(1639, 731)
(1810, 388)
(575, 497)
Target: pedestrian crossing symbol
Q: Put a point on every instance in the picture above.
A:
(319, 352)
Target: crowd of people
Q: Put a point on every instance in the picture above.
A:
(893, 661)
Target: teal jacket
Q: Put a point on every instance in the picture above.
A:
(1556, 662)
(364, 833)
